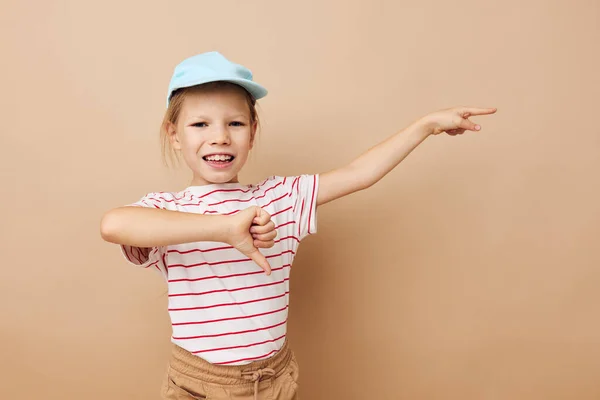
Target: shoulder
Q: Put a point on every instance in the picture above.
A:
(295, 186)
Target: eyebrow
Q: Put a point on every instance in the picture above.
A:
(231, 117)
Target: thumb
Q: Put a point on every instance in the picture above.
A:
(253, 211)
(259, 259)
(469, 125)
(245, 218)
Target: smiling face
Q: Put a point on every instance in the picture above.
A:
(214, 132)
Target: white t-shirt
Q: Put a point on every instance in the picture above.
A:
(223, 307)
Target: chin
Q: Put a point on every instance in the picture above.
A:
(218, 178)
(222, 180)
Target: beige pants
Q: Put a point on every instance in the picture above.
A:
(190, 377)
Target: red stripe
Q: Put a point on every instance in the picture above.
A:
(136, 254)
(284, 224)
(226, 262)
(228, 247)
(224, 190)
(125, 248)
(154, 197)
(151, 265)
(237, 211)
(293, 183)
(174, 195)
(141, 251)
(155, 203)
(225, 276)
(217, 212)
(159, 199)
(263, 183)
(242, 201)
(229, 290)
(175, 201)
(190, 204)
(298, 187)
(312, 201)
(200, 250)
(288, 237)
(279, 212)
(300, 224)
(232, 200)
(229, 319)
(229, 333)
(229, 304)
(132, 253)
(265, 192)
(248, 359)
(239, 347)
(274, 200)
(207, 263)
(250, 199)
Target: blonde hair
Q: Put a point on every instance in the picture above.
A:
(174, 109)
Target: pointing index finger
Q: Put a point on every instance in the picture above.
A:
(478, 111)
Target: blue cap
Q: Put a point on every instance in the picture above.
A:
(212, 67)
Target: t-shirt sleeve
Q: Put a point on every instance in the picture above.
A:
(303, 191)
(146, 256)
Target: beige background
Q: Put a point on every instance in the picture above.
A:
(469, 272)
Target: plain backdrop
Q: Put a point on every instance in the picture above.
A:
(469, 272)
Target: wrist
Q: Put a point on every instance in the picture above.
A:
(225, 225)
(421, 128)
(214, 228)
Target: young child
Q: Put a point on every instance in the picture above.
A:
(226, 248)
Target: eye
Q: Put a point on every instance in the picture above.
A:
(237, 123)
(199, 124)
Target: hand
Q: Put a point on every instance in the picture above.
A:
(250, 230)
(454, 121)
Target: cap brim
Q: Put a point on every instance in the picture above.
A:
(256, 90)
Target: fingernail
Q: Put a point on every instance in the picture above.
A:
(477, 127)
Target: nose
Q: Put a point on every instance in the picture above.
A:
(221, 136)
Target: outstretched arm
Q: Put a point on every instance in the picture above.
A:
(375, 163)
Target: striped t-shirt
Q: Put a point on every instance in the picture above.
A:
(223, 307)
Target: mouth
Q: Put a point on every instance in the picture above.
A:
(219, 160)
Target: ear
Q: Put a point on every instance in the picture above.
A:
(172, 135)
(253, 134)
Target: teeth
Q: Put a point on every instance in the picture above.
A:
(219, 157)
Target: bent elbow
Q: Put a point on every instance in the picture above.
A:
(109, 227)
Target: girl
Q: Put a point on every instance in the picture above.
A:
(226, 248)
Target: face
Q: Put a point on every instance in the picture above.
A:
(214, 134)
